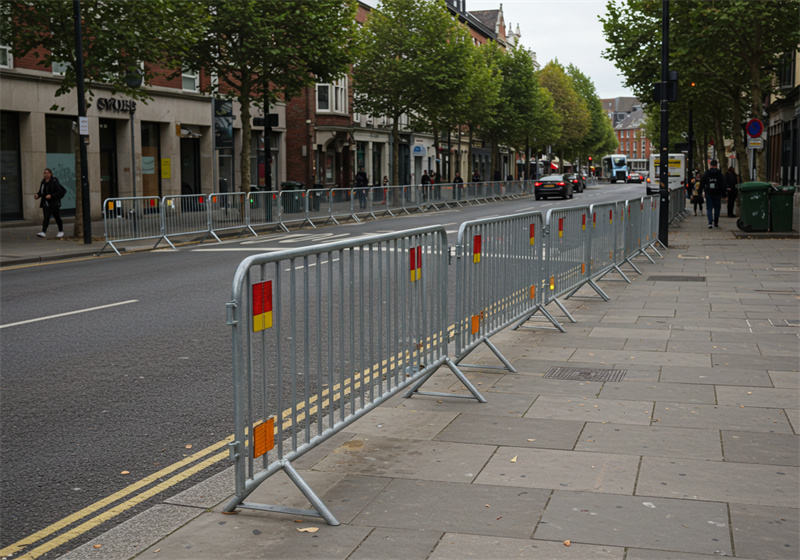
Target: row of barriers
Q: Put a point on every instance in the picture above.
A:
(163, 219)
(322, 335)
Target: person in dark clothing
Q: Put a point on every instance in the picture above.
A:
(697, 193)
(714, 186)
(732, 180)
(426, 184)
(458, 183)
(49, 195)
(361, 187)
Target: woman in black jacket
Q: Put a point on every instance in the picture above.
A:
(50, 194)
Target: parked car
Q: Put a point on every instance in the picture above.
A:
(553, 185)
(635, 178)
(578, 182)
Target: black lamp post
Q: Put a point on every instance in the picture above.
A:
(83, 138)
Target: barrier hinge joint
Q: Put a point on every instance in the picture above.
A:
(230, 308)
(233, 448)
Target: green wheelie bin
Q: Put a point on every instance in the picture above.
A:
(781, 207)
(754, 206)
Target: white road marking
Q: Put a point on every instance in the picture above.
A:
(68, 313)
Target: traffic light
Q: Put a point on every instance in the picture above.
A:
(590, 158)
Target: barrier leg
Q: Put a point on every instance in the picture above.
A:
(320, 509)
(457, 372)
(548, 316)
(108, 244)
(630, 262)
(506, 364)
(564, 309)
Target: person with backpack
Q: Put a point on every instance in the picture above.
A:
(696, 193)
(714, 187)
(49, 195)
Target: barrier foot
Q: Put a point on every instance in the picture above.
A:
(548, 316)
(458, 373)
(108, 243)
(630, 262)
(599, 290)
(564, 309)
(506, 364)
(320, 509)
(649, 258)
(658, 241)
(618, 269)
(355, 218)
(653, 247)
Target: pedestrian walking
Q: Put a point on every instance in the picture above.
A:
(385, 189)
(426, 184)
(362, 182)
(696, 196)
(49, 195)
(714, 186)
(731, 179)
(458, 183)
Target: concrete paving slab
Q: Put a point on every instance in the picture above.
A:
(512, 431)
(758, 396)
(351, 494)
(591, 410)
(640, 554)
(566, 470)
(718, 417)
(637, 344)
(642, 357)
(793, 415)
(503, 404)
(451, 507)
(207, 493)
(655, 441)
(454, 546)
(765, 485)
(254, 535)
(757, 377)
(633, 521)
(708, 347)
(397, 544)
(766, 532)
(679, 333)
(132, 537)
(677, 392)
(403, 458)
(762, 449)
(407, 422)
(279, 490)
(538, 385)
(757, 361)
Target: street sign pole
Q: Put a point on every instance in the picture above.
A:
(663, 173)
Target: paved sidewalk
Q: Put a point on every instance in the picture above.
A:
(693, 454)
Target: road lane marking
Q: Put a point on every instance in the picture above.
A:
(68, 313)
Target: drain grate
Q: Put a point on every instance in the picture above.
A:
(585, 374)
(676, 278)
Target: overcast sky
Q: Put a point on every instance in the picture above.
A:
(567, 30)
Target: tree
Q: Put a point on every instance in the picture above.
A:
(399, 62)
(571, 108)
(484, 80)
(599, 124)
(266, 51)
(118, 39)
(730, 48)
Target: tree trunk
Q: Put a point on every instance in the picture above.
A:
(244, 158)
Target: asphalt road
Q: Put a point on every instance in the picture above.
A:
(139, 380)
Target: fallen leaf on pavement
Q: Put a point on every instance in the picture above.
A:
(98, 545)
(514, 460)
(567, 543)
(125, 472)
(308, 529)
(189, 446)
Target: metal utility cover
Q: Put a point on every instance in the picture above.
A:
(585, 374)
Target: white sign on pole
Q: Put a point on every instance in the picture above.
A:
(83, 125)
(755, 143)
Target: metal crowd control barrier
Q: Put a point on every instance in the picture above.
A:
(605, 241)
(324, 334)
(342, 205)
(263, 208)
(633, 231)
(131, 219)
(498, 279)
(228, 211)
(185, 214)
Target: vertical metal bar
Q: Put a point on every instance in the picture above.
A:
(306, 352)
(277, 322)
(341, 333)
(320, 413)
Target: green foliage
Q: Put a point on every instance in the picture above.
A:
(571, 108)
(117, 37)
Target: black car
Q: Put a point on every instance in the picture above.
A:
(635, 178)
(578, 182)
(553, 185)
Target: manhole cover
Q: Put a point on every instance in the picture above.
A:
(585, 374)
(676, 278)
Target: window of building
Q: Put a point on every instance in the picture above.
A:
(60, 68)
(332, 98)
(190, 80)
(151, 159)
(6, 58)
(11, 185)
(786, 69)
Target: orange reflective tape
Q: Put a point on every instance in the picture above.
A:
(263, 438)
(552, 282)
(533, 292)
(476, 323)
(583, 268)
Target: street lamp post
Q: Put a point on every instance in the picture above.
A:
(663, 173)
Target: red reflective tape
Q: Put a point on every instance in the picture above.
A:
(561, 227)
(476, 249)
(533, 233)
(583, 225)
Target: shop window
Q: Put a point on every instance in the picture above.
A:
(60, 140)
(11, 183)
(151, 159)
